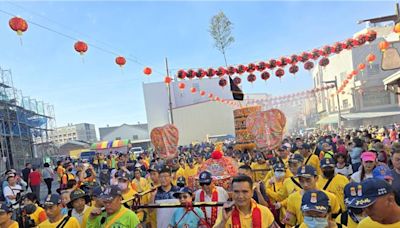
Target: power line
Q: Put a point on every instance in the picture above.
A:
(129, 57)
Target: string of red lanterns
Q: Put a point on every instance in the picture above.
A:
(279, 64)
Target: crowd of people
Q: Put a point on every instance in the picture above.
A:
(324, 179)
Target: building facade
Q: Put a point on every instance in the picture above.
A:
(82, 132)
(132, 132)
(364, 100)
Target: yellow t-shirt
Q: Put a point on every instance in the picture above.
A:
(336, 187)
(39, 215)
(350, 222)
(180, 173)
(246, 220)
(14, 225)
(287, 188)
(129, 195)
(314, 162)
(303, 225)
(72, 223)
(369, 223)
(259, 175)
(140, 185)
(190, 172)
(294, 205)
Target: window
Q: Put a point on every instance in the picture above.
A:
(135, 137)
(345, 103)
(372, 69)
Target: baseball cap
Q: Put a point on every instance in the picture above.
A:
(306, 146)
(5, 208)
(51, 200)
(165, 169)
(327, 162)
(189, 160)
(205, 177)
(111, 192)
(382, 172)
(296, 158)
(368, 156)
(96, 191)
(279, 167)
(368, 191)
(350, 192)
(306, 171)
(123, 175)
(259, 156)
(182, 190)
(315, 200)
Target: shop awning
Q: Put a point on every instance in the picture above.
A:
(109, 144)
(333, 118)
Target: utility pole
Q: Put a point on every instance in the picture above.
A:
(337, 99)
(169, 94)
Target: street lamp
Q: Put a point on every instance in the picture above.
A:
(337, 97)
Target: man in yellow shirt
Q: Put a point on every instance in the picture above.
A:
(5, 217)
(332, 182)
(36, 213)
(53, 207)
(139, 183)
(308, 180)
(191, 169)
(78, 206)
(376, 198)
(259, 167)
(310, 158)
(316, 211)
(352, 216)
(243, 211)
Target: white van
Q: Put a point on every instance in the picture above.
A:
(137, 151)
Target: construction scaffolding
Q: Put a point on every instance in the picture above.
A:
(24, 126)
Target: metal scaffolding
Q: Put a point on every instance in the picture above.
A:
(24, 126)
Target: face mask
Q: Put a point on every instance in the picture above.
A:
(279, 174)
(312, 222)
(123, 186)
(329, 173)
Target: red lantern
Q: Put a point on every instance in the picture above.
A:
(337, 48)
(251, 68)
(265, 76)
(354, 72)
(217, 98)
(251, 78)
(191, 74)
(210, 72)
(294, 59)
(181, 86)
(284, 61)
(241, 69)
(201, 73)
(120, 60)
(231, 70)
(237, 81)
(181, 74)
(193, 90)
(221, 72)
(202, 93)
(327, 50)
(304, 57)
(147, 71)
(345, 82)
(361, 66)
(279, 73)
(349, 76)
(167, 80)
(81, 47)
(361, 39)
(272, 64)
(316, 54)
(371, 35)
(308, 65)
(293, 69)
(324, 62)
(261, 66)
(222, 82)
(371, 58)
(18, 24)
(383, 45)
(210, 95)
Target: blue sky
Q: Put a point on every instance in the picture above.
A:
(46, 66)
